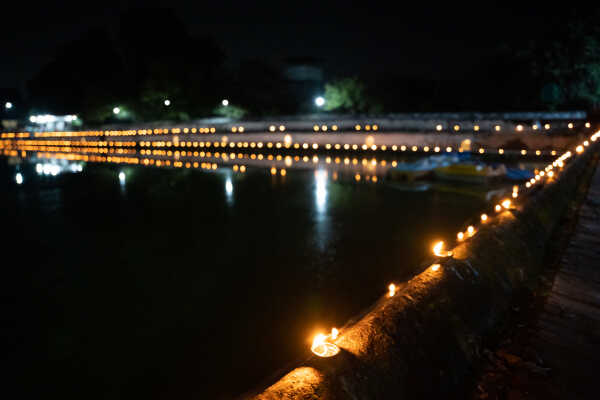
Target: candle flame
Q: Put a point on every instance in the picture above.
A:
(334, 333)
(435, 267)
(392, 290)
(438, 250)
(322, 345)
(471, 230)
(484, 217)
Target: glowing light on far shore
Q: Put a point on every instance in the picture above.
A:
(319, 101)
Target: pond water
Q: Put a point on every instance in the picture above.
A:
(137, 282)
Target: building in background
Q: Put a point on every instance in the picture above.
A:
(306, 80)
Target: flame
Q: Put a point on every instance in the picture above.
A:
(392, 290)
(484, 217)
(438, 250)
(435, 267)
(506, 204)
(334, 333)
(460, 236)
(470, 230)
(322, 345)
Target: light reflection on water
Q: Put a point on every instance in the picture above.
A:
(229, 190)
(211, 285)
(321, 191)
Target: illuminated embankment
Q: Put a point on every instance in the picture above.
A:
(422, 337)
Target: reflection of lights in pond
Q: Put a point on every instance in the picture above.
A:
(228, 187)
(122, 177)
(19, 178)
(322, 344)
(321, 190)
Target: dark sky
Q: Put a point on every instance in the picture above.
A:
(420, 38)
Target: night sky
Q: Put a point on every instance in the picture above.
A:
(421, 39)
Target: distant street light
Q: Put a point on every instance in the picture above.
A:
(167, 102)
(225, 102)
(319, 101)
(116, 110)
(8, 105)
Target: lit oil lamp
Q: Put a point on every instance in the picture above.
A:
(438, 250)
(391, 290)
(471, 230)
(323, 345)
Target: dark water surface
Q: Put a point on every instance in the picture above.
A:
(178, 284)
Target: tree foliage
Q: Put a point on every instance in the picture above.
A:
(568, 64)
(347, 94)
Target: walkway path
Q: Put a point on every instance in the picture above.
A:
(553, 348)
(567, 333)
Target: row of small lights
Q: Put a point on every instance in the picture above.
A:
(324, 345)
(226, 157)
(288, 144)
(518, 128)
(241, 129)
(289, 160)
(183, 153)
